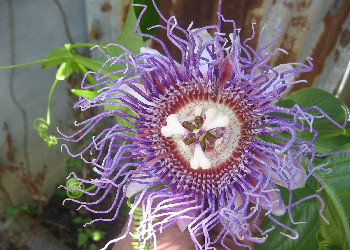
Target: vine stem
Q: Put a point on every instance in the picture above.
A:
(23, 64)
(49, 102)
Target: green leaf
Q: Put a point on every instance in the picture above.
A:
(31, 210)
(125, 212)
(125, 122)
(337, 198)
(66, 54)
(93, 247)
(56, 56)
(82, 239)
(11, 211)
(88, 231)
(127, 38)
(87, 220)
(92, 64)
(304, 212)
(74, 164)
(98, 235)
(331, 144)
(328, 103)
(332, 232)
(87, 93)
(78, 220)
(150, 17)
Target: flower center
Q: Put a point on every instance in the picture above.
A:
(206, 134)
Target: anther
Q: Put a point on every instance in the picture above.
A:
(210, 137)
(189, 140)
(199, 121)
(203, 145)
(189, 125)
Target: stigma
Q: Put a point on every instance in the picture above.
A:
(198, 132)
(173, 127)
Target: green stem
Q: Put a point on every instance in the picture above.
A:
(49, 102)
(91, 188)
(23, 64)
(78, 45)
(89, 63)
(84, 71)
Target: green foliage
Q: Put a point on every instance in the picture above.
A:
(74, 164)
(305, 212)
(331, 105)
(12, 211)
(336, 195)
(87, 93)
(330, 137)
(149, 19)
(70, 62)
(86, 234)
(82, 238)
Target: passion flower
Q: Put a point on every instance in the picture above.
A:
(198, 142)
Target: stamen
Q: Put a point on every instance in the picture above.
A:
(173, 127)
(199, 121)
(203, 145)
(188, 125)
(215, 119)
(189, 140)
(210, 137)
(199, 159)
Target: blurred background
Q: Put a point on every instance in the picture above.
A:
(31, 214)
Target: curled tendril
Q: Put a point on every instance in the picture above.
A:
(74, 188)
(42, 126)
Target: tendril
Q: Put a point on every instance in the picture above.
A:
(42, 126)
(75, 188)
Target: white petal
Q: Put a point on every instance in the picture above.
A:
(237, 214)
(286, 173)
(183, 223)
(271, 203)
(203, 64)
(274, 201)
(161, 58)
(134, 188)
(147, 50)
(129, 90)
(280, 68)
(204, 37)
